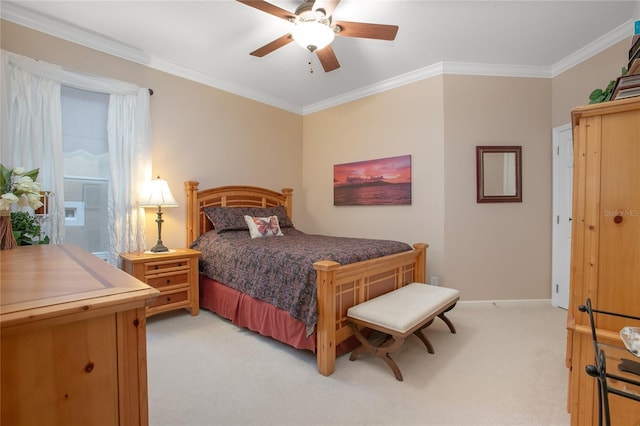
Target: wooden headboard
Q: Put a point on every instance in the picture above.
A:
(228, 196)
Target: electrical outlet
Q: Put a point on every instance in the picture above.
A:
(433, 281)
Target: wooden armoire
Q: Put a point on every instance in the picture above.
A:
(605, 247)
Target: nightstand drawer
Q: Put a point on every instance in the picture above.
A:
(165, 280)
(169, 265)
(171, 298)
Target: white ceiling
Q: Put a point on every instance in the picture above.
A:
(210, 41)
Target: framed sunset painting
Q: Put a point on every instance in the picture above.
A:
(385, 181)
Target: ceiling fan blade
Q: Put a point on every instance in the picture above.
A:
(365, 30)
(268, 8)
(328, 59)
(327, 5)
(270, 47)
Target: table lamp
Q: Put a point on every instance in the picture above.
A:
(158, 194)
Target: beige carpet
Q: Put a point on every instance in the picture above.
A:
(504, 367)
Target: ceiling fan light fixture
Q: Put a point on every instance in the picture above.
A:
(313, 35)
(313, 28)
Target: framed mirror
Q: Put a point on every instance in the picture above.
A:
(499, 174)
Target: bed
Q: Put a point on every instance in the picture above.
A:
(337, 286)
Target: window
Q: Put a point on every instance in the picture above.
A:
(101, 182)
(86, 169)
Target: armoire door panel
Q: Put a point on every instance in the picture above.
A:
(619, 258)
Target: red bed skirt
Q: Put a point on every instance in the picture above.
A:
(259, 316)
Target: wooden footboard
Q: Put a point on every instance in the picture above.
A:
(341, 286)
(338, 286)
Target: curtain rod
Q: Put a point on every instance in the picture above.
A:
(150, 92)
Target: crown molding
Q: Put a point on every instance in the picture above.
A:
(441, 68)
(11, 11)
(223, 85)
(617, 35)
(382, 86)
(492, 70)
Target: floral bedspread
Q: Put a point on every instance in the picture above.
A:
(279, 270)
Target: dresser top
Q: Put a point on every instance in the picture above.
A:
(38, 282)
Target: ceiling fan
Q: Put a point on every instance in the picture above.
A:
(315, 29)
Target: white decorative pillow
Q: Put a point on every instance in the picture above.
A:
(263, 226)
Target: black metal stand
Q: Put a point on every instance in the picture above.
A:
(599, 370)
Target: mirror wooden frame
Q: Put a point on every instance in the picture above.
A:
(480, 174)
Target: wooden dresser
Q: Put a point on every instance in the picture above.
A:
(73, 339)
(605, 251)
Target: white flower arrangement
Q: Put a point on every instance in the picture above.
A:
(19, 186)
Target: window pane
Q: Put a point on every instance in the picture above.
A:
(86, 168)
(84, 120)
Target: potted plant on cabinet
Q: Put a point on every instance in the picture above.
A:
(26, 230)
(17, 186)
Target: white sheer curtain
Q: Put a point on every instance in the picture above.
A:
(31, 137)
(128, 128)
(32, 133)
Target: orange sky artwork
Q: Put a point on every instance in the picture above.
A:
(391, 170)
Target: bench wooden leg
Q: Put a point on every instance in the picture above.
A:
(424, 339)
(383, 351)
(394, 367)
(447, 320)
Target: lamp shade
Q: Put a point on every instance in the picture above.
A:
(157, 194)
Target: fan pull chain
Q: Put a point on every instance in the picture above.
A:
(310, 62)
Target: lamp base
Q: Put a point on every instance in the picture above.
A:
(159, 248)
(159, 252)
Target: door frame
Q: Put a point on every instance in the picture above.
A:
(559, 288)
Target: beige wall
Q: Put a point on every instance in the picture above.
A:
(497, 250)
(489, 251)
(199, 133)
(408, 120)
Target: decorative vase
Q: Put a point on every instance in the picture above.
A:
(7, 240)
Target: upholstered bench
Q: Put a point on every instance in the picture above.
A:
(398, 314)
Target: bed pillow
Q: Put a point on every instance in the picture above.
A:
(260, 227)
(280, 211)
(226, 219)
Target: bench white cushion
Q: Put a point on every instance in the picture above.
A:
(404, 308)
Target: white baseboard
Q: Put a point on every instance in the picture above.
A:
(506, 302)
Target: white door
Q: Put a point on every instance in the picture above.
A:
(562, 196)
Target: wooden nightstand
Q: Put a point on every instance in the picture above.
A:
(174, 274)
